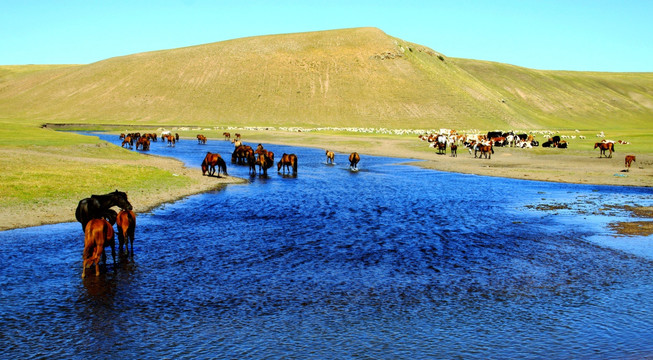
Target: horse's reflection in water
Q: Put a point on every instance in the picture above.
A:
(104, 286)
(100, 287)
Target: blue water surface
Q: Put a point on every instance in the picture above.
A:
(391, 261)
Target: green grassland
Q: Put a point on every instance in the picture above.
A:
(358, 77)
(42, 167)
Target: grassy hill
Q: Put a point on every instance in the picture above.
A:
(358, 77)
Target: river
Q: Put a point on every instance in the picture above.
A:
(391, 261)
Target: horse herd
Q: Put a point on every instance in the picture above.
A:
(262, 159)
(97, 219)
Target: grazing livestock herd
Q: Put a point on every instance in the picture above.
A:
(482, 145)
(97, 218)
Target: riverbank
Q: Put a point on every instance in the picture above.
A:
(154, 195)
(580, 164)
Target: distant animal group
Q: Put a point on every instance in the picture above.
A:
(482, 145)
(97, 219)
(259, 160)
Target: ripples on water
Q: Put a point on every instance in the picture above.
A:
(389, 262)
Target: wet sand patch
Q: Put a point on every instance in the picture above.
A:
(635, 228)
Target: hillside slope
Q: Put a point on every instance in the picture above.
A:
(352, 77)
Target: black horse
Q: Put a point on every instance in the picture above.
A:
(98, 207)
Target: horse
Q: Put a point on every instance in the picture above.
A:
(170, 138)
(603, 147)
(251, 162)
(98, 234)
(628, 161)
(241, 154)
(226, 135)
(96, 206)
(128, 141)
(354, 158)
(287, 161)
(442, 148)
(454, 150)
(143, 143)
(201, 139)
(209, 163)
(486, 150)
(261, 161)
(109, 215)
(330, 157)
(265, 160)
(126, 221)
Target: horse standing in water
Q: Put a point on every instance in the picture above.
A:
(96, 206)
(126, 221)
(251, 163)
(330, 157)
(97, 236)
(210, 161)
(603, 147)
(287, 162)
(354, 158)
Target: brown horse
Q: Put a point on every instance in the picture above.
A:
(330, 157)
(454, 150)
(126, 222)
(264, 161)
(605, 146)
(143, 143)
(98, 235)
(354, 158)
(442, 148)
(287, 161)
(251, 162)
(241, 154)
(628, 161)
(201, 139)
(210, 161)
(486, 150)
(170, 138)
(128, 141)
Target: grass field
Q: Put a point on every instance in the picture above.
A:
(42, 167)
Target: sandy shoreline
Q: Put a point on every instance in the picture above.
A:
(556, 165)
(552, 165)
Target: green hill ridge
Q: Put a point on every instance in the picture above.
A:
(357, 77)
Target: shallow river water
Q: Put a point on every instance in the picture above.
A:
(392, 261)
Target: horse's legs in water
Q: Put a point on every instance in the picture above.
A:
(113, 255)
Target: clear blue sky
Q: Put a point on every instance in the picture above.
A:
(585, 35)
